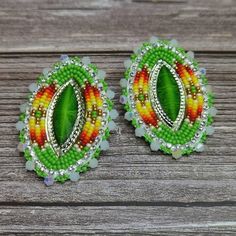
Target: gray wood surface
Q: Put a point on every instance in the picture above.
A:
(133, 191)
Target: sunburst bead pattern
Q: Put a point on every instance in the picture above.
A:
(37, 128)
(194, 93)
(94, 113)
(142, 99)
(167, 98)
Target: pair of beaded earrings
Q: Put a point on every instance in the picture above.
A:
(68, 118)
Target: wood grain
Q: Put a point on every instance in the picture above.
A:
(120, 220)
(62, 25)
(133, 191)
(129, 168)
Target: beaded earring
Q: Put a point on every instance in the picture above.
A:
(167, 98)
(67, 120)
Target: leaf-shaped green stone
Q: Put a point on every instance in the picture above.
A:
(65, 114)
(168, 93)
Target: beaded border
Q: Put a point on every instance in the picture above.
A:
(91, 152)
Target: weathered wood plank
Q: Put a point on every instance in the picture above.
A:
(129, 167)
(28, 26)
(131, 220)
(133, 191)
(31, 190)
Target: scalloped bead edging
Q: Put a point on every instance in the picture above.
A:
(167, 98)
(67, 120)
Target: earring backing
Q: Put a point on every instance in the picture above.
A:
(167, 98)
(67, 120)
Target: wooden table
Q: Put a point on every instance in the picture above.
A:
(133, 191)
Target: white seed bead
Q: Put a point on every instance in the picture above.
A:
(174, 43)
(123, 99)
(113, 114)
(112, 125)
(33, 87)
(128, 116)
(155, 145)
(177, 154)
(93, 163)
(21, 147)
(49, 180)
(139, 132)
(210, 130)
(212, 111)
(190, 54)
(199, 147)
(153, 39)
(137, 50)
(123, 83)
(74, 176)
(46, 71)
(110, 94)
(64, 57)
(86, 60)
(127, 63)
(29, 165)
(209, 88)
(104, 145)
(203, 71)
(20, 125)
(23, 107)
(101, 74)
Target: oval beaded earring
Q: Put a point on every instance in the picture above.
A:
(167, 98)
(67, 120)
